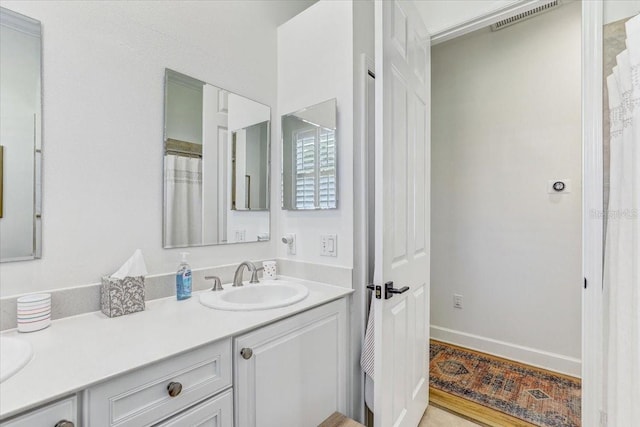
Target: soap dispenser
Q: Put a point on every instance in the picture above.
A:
(183, 279)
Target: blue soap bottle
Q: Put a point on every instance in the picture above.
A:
(183, 279)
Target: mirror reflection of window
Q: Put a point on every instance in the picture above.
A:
(315, 163)
(309, 177)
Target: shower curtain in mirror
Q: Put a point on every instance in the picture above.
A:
(183, 199)
(622, 247)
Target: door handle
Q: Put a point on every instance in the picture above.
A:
(389, 290)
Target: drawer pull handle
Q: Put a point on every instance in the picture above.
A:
(174, 388)
(246, 353)
(64, 423)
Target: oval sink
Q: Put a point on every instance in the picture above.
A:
(259, 296)
(14, 355)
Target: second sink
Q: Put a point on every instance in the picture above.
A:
(14, 355)
(265, 295)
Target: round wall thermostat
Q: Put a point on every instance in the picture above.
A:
(559, 186)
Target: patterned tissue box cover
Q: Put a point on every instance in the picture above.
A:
(122, 296)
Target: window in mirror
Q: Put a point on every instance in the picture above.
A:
(309, 173)
(216, 177)
(20, 137)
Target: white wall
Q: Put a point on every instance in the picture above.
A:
(506, 119)
(315, 63)
(104, 65)
(615, 10)
(20, 82)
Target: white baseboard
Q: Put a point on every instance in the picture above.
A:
(530, 356)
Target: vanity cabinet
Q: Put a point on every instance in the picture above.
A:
(63, 413)
(288, 373)
(215, 412)
(292, 373)
(154, 393)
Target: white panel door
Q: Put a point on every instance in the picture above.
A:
(402, 215)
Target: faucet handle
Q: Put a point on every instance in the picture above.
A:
(217, 283)
(254, 275)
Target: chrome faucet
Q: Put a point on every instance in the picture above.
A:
(217, 283)
(237, 278)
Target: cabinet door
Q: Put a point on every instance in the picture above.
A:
(48, 416)
(215, 412)
(292, 373)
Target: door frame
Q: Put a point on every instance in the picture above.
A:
(592, 191)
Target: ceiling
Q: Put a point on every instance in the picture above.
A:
(439, 15)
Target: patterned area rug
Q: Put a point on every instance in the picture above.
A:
(535, 396)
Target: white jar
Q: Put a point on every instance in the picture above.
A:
(33, 312)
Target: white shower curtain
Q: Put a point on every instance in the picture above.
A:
(183, 199)
(622, 248)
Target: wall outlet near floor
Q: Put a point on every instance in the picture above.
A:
(329, 245)
(241, 235)
(457, 301)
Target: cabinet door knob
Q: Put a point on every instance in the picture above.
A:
(246, 353)
(64, 423)
(174, 388)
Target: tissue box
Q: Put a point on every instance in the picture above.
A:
(122, 296)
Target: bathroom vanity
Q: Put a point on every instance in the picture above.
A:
(180, 363)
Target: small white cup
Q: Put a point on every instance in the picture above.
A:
(33, 312)
(270, 270)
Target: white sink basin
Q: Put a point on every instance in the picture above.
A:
(14, 355)
(258, 296)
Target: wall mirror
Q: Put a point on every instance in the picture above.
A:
(309, 158)
(20, 136)
(216, 165)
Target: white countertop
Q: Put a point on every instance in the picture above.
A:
(76, 352)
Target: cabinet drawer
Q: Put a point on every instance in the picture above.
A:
(216, 412)
(48, 416)
(141, 398)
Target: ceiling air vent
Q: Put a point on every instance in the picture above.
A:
(525, 15)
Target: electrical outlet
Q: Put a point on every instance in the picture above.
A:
(241, 235)
(457, 301)
(603, 419)
(329, 245)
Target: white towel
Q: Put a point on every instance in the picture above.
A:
(367, 358)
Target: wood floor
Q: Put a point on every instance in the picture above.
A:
(437, 417)
(338, 420)
(477, 413)
(433, 417)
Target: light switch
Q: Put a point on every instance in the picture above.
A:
(329, 245)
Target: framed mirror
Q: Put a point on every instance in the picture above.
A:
(216, 165)
(20, 136)
(309, 158)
